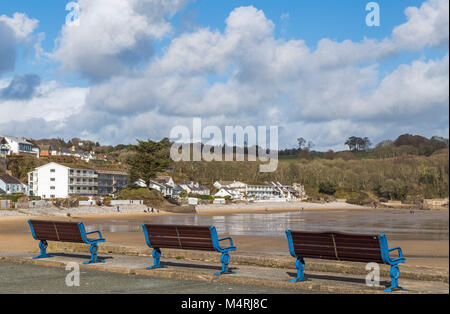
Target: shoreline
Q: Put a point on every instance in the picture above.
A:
(211, 209)
(276, 207)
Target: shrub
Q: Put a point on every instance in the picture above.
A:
(327, 188)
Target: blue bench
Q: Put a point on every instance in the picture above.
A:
(186, 238)
(72, 232)
(344, 247)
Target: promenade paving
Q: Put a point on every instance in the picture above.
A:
(195, 274)
(23, 278)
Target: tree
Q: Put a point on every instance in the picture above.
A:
(327, 188)
(149, 159)
(301, 143)
(358, 144)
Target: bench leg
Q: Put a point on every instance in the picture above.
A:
(43, 246)
(300, 265)
(94, 258)
(225, 259)
(395, 274)
(156, 260)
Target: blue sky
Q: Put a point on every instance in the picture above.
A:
(310, 20)
(329, 23)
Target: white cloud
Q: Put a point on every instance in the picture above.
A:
(52, 102)
(426, 26)
(112, 35)
(21, 24)
(14, 32)
(245, 76)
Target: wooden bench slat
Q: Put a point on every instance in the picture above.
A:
(194, 234)
(185, 243)
(372, 246)
(171, 233)
(316, 237)
(194, 244)
(163, 241)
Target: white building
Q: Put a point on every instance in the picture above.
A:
(11, 185)
(222, 193)
(194, 188)
(262, 192)
(286, 191)
(55, 180)
(231, 185)
(232, 193)
(167, 180)
(161, 186)
(10, 145)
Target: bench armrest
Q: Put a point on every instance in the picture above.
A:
(400, 252)
(98, 232)
(229, 239)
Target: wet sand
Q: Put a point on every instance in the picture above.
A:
(15, 235)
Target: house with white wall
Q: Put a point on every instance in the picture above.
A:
(159, 185)
(196, 188)
(10, 145)
(11, 185)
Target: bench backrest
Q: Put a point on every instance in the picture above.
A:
(57, 231)
(335, 246)
(179, 237)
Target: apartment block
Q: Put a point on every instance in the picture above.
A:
(110, 182)
(262, 192)
(55, 180)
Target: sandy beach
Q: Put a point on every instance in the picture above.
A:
(15, 235)
(273, 207)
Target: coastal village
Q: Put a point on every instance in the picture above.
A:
(88, 181)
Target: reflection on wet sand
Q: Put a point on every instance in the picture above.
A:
(396, 224)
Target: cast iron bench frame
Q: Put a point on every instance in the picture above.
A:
(63, 231)
(187, 238)
(344, 247)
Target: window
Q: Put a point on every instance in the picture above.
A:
(52, 196)
(52, 170)
(52, 179)
(52, 188)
